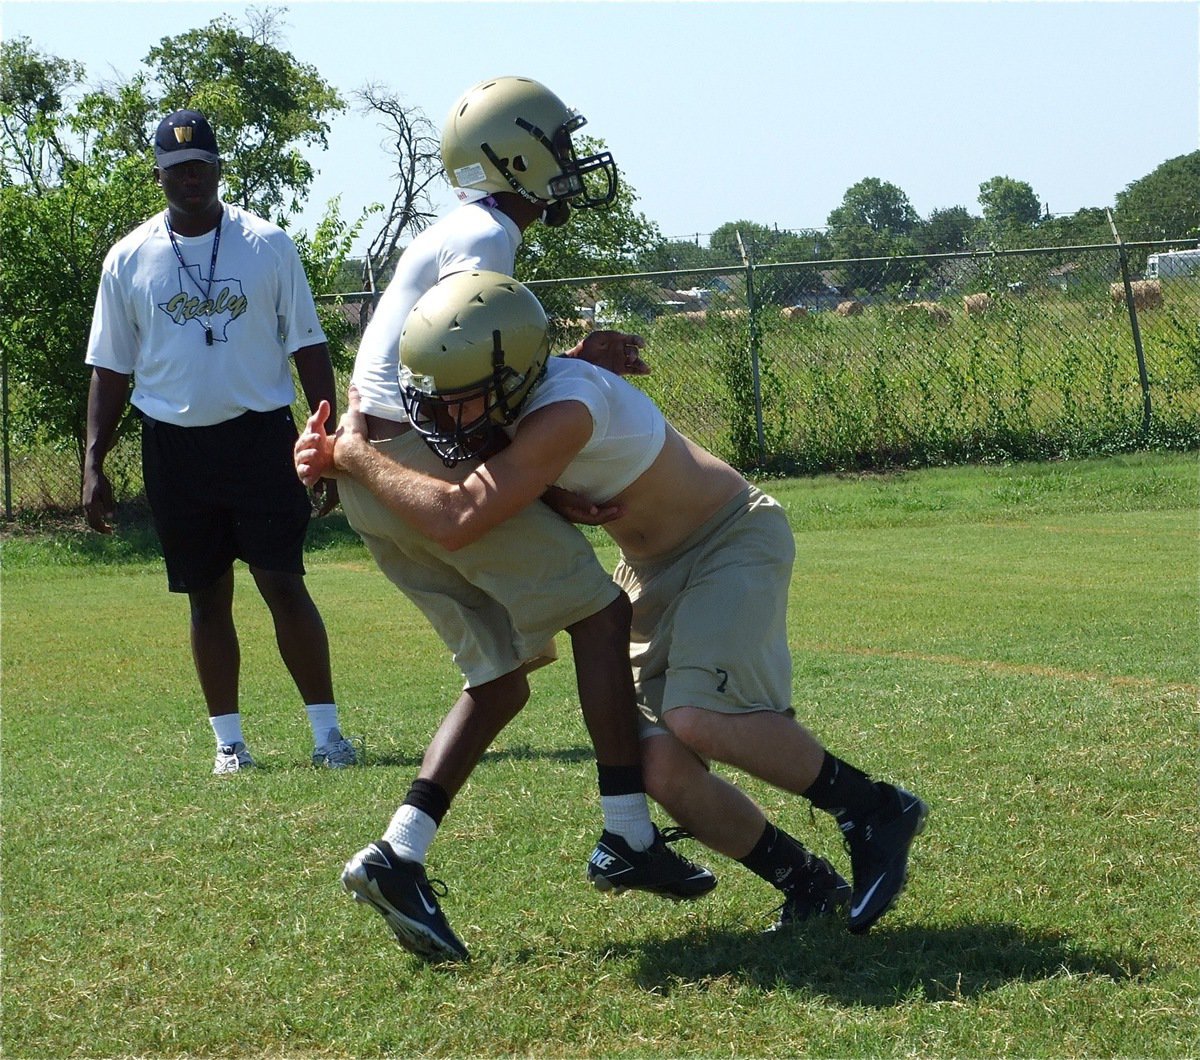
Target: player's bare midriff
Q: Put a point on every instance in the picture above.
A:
(679, 492)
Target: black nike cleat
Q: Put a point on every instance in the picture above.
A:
(615, 867)
(878, 846)
(817, 889)
(406, 899)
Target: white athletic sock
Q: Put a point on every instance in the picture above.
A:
(629, 817)
(411, 832)
(227, 728)
(322, 717)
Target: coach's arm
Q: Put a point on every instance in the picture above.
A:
(107, 394)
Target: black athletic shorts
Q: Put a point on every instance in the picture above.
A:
(225, 492)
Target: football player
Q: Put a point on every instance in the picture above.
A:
(507, 149)
(706, 559)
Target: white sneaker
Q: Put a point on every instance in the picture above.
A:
(336, 752)
(231, 758)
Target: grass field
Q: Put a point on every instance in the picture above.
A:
(1018, 644)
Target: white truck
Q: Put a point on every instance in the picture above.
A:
(1171, 263)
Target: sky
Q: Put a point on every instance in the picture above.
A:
(754, 110)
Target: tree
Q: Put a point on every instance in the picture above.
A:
(674, 254)
(326, 257)
(876, 205)
(58, 217)
(1010, 208)
(1082, 228)
(946, 231)
(264, 103)
(875, 220)
(413, 143)
(728, 241)
(1164, 204)
(805, 244)
(77, 176)
(32, 89)
(592, 242)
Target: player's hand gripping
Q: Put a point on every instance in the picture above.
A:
(313, 451)
(578, 509)
(316, 451)
(617, 351)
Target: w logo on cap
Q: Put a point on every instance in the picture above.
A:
(184, 136)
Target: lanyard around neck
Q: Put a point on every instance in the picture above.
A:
(212, 271)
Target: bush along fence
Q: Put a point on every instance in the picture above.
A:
(803, 367)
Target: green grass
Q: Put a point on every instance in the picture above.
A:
(1017, 643)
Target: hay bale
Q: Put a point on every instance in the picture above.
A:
(850, 308)
(697, 316)
(933, 311)
(976, 304)
(1147, 294)
(794, 312)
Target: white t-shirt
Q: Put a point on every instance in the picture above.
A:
(628, 430)
(150, 318)
(472, 236)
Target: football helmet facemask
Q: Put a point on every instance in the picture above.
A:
(512, 134)
(473, 348)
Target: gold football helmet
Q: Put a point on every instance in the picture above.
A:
(512, 134)
(473, 348)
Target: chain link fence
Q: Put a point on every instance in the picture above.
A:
(792, 368)
(1027, 354)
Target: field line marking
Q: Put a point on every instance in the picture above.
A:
(995, 665)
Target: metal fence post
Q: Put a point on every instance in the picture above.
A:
(4, 441)
(1143, 376)
(752, 320)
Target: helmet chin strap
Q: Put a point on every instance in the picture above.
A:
(555, 215)
(499, 368)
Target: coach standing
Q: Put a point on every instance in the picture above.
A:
(202, 305)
